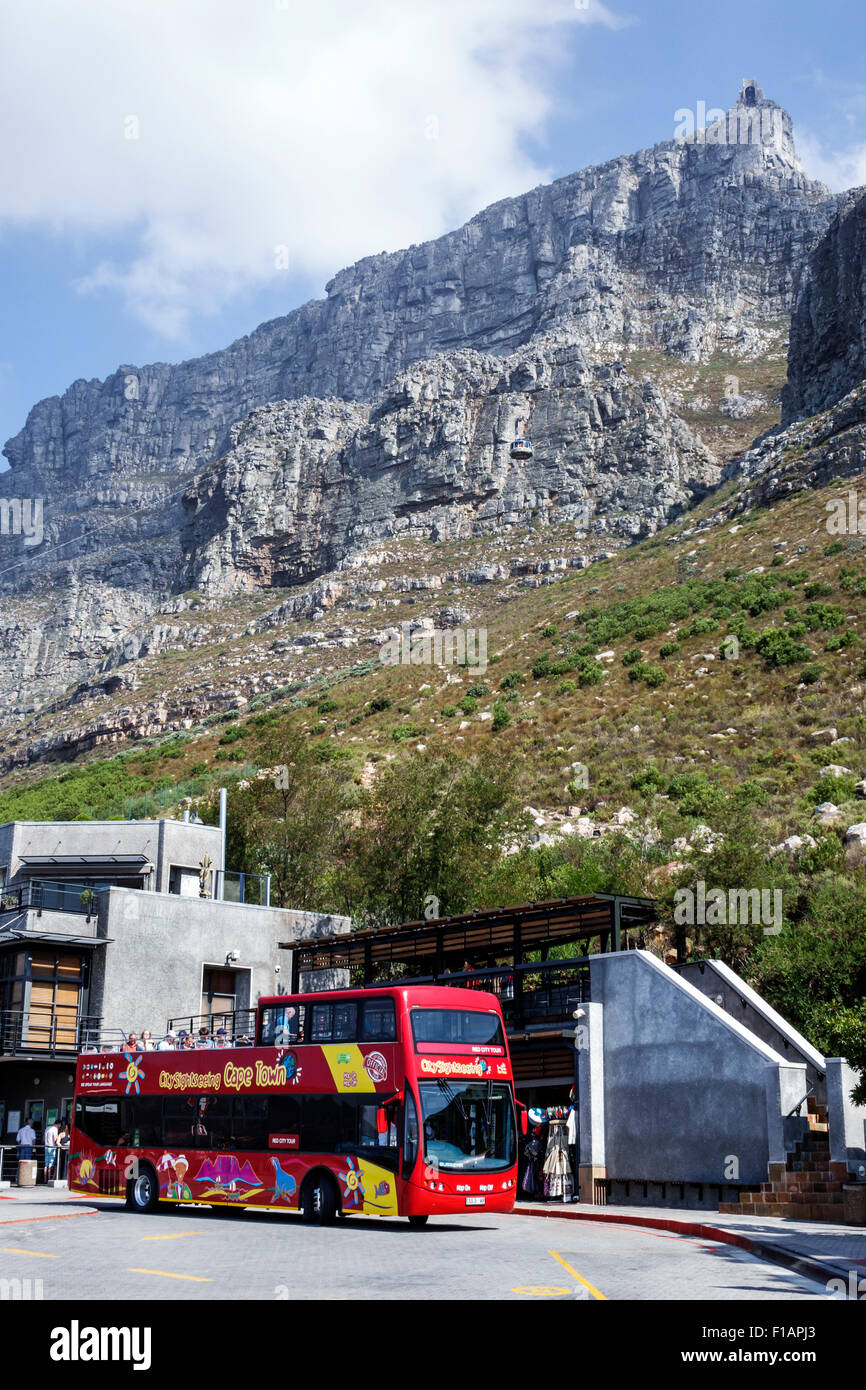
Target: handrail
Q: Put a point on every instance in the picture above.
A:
(58, 1029)
(52, 895)
(798, 1108)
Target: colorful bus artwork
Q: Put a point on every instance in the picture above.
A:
(387, 1101)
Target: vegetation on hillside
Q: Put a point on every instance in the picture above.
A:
(685, 678)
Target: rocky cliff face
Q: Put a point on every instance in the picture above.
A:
(307, 484)
(827, 354)
(385, 409)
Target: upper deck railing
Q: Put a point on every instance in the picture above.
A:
(530, 996)
(239, 1028)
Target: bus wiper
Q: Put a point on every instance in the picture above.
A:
(451, 1096)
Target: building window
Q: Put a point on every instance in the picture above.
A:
(184, 881)
(42, 991)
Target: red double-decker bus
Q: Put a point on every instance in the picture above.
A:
(392, 1101)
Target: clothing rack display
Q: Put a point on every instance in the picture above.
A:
(558, 1177)
(548, 1172)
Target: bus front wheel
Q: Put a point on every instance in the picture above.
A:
(418, 1221)
(319, 1200)
(142, 1191)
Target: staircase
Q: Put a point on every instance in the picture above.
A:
(808, 1187)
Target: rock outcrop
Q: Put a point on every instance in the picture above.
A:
(307, 484)
(827, 355)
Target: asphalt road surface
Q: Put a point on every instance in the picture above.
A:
(96, 1249)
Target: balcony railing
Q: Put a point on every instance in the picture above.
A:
(51, 896)
(54, 1031)
(533, 994)
(232, 886)
(530, 995)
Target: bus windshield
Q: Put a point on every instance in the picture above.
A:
(444, 1026)
(467, 1126)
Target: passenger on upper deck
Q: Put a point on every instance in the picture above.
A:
(287, 1029)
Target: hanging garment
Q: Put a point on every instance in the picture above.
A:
(531, 1183)
(571, 1127)
(558, 1177)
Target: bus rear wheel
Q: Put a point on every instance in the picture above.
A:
(142, 1191)
(418, 1221)
(319, 1200)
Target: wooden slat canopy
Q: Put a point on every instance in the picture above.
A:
(498, 932)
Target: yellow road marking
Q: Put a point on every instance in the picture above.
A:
(167, 1274)
(40, 1254)
(596, 1293)
(177, 1235)
(541, 1290)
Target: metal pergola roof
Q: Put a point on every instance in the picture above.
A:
(505, 931)
(86, 865)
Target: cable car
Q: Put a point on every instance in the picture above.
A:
(521, 448)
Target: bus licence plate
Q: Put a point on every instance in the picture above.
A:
(475, 1201)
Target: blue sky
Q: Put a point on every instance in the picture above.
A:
(163, 156)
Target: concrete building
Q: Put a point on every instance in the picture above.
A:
(104, 931)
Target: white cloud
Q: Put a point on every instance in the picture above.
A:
(332, 130)
(840, 169)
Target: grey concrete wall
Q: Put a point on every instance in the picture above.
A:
(690, 1095)
(185, 845)
(164, 842)
(718, 982)
(590, 1100)
(151, 968)
(7, 836)
(847, 1120)
(72, 924)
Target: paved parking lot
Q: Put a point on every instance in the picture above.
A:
(85, 1249)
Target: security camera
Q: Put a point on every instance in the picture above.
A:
(277, 969)
(232, 956)
(579, 1013)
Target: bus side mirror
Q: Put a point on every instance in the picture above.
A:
(381, 1121)
(524, 1123)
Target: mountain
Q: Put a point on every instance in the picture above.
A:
(631, 317)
